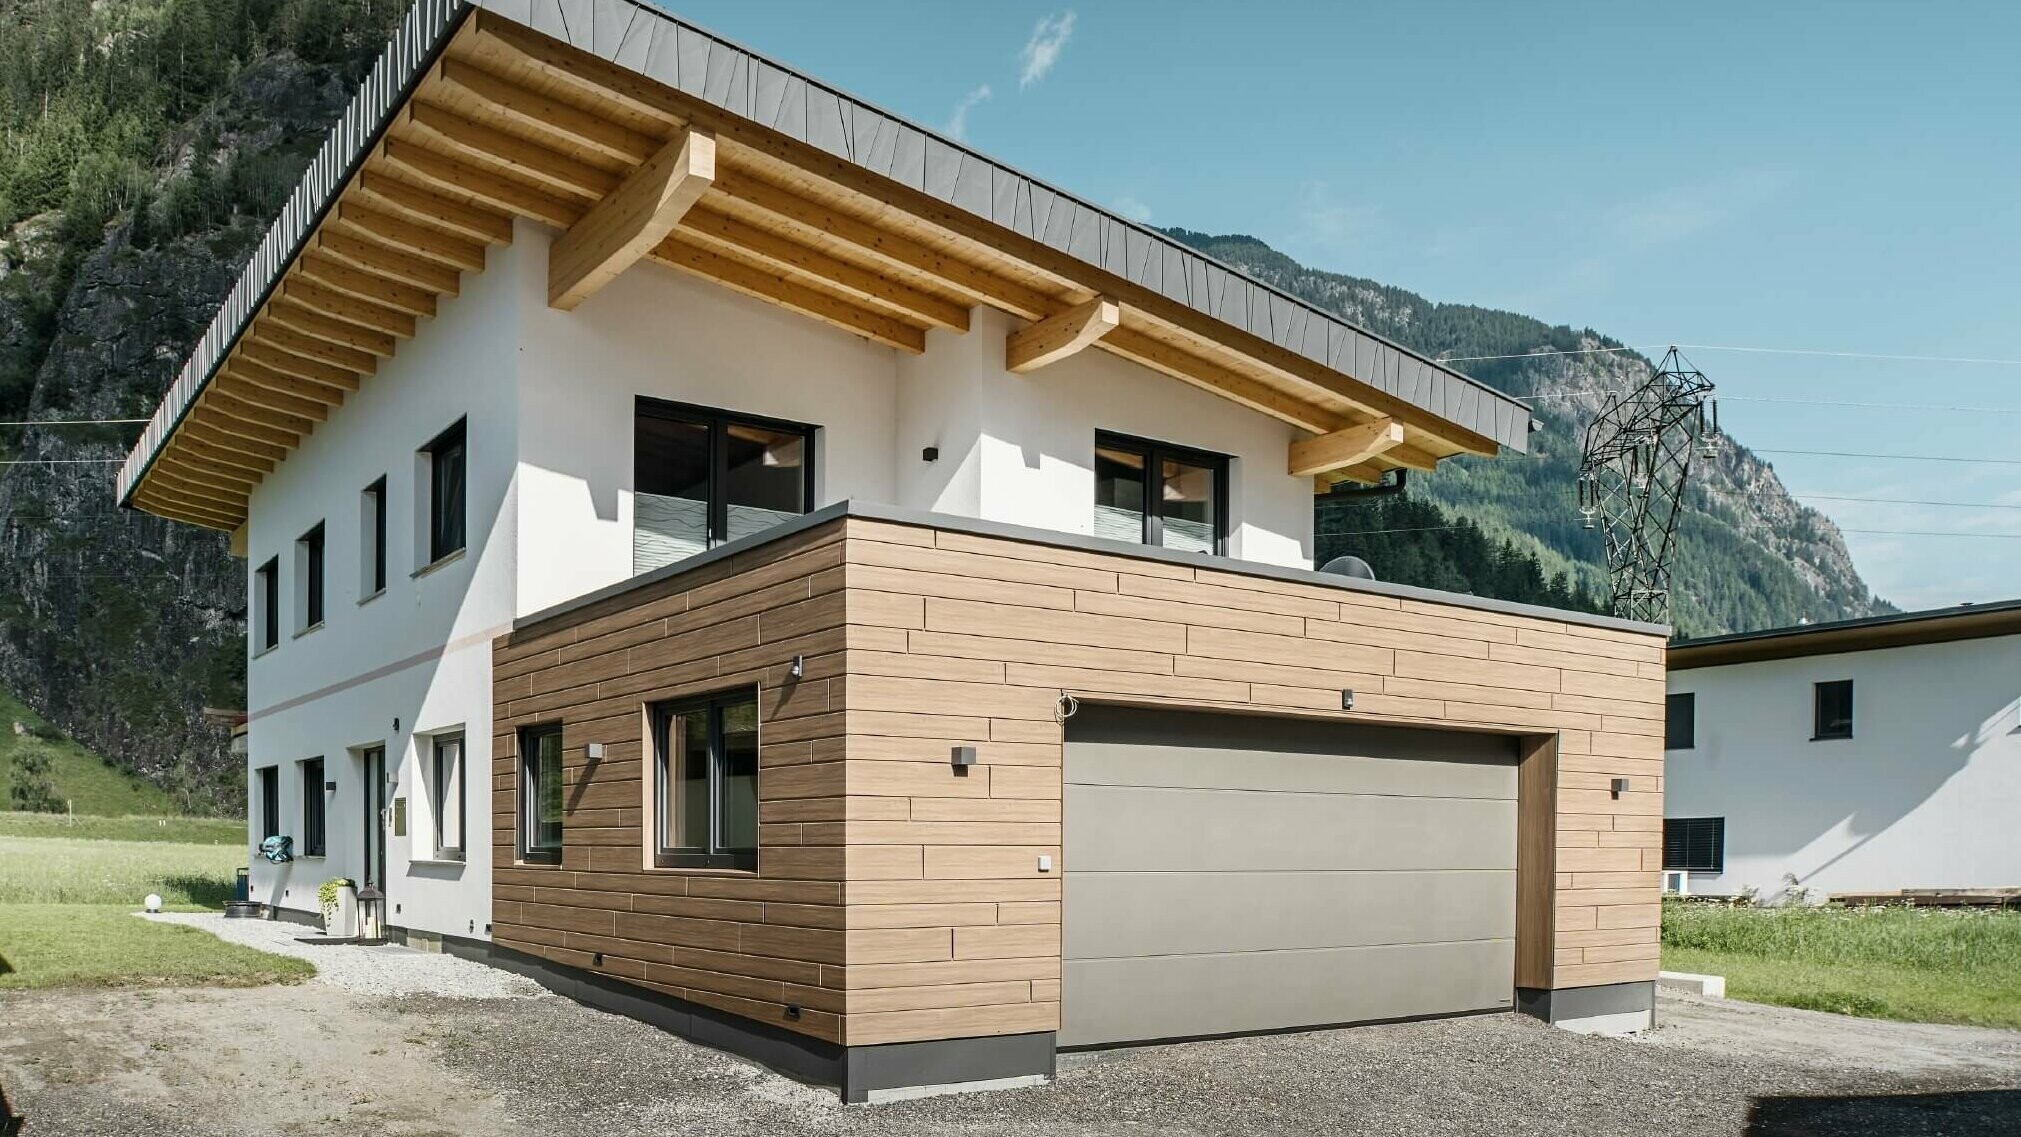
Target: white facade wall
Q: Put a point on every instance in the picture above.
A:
(1926, 794)
(549, 398)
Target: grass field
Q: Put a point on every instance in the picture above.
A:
(1912, 964)
(91, 945)
(82, 778)
(70, 870)
(178, 830)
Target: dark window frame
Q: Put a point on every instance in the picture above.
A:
(1684, 737)
(713, 856)
(1155, 453)
(268, 579)
(315, 581)
(1821, 729)
(442, 543)
(377, 492)
(315, 812)
(269, 780)
(531, 851)
(718, 423)
(1694, 844)
(439, 792)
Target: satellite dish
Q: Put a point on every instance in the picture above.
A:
(1349, 566)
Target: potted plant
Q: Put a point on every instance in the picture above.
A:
(338, 897)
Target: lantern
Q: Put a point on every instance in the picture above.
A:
(371, 915)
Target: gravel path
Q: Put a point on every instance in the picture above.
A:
(385, 970)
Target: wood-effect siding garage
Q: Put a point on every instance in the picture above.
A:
(899, 899)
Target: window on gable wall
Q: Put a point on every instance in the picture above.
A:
(449, 796)
(1156, 494)
(309, 571)
(1832, 707)
(704, 477)
(1680, 721)
(372, 539)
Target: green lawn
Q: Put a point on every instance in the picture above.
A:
(91, 945)
(179, 830)
(82, 778)
(70, 870)
(1913, 964)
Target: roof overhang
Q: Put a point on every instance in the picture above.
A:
(1901, 629)
(480, 113)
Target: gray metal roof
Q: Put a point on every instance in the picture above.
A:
(653, 44)
(1893, 629)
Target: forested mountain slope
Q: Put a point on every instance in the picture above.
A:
(146, 144)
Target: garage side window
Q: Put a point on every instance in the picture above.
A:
(1694, 844)
(1680, 721)
(1833, 706)
(1157, 494)
(706, 782)
(540, 794)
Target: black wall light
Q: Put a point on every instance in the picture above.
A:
(1620, 787)
(962, 757)
(930, 454)
(1347, 700)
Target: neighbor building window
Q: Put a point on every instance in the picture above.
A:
(706, 782)
(1694, 844)
(446, 460)
(1155, 494)
(1680, 721)
(267, 604)
(703, 477)
(309, 572)
(312, 808)
(447, 768)
(270, 801)
(372, 538)
(1833, 710)
(540, 794)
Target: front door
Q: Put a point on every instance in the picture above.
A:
(375, 817)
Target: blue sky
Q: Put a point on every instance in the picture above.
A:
(1841, 177)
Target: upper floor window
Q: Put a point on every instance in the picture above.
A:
(1680, 721)
(309, 574)
(706, 782)
(372, 539)
(1157, 494)
(703, 477)
(540, 794)
(267, 604)
(1832, 710)
(312, 808)
(445, 460)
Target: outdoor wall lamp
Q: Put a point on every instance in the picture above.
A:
(961, 758)
(1620, 787)
(1347, 700)
(797, 668)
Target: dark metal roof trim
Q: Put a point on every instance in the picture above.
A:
(1896, 629)
(422, 35)
(654, 44)
(900, 515)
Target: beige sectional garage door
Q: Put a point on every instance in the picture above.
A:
(1228, 873)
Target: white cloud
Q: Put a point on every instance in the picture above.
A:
(1043, 49)
(1133, 209)
(957, 123)
(1331, 226)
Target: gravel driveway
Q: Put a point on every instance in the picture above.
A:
(320, 1058)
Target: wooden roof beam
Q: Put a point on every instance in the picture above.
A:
(1210, 376)
(184, 475)
(197, 511)
(1059, 336)
(297, 316)
(382, 260)
(542, 113)
(350, 361)
(428, 208)
(332, 304)
(631, 220)
(420, 239)
(284, 386)
(1349, 446)
(244, 422)
(342, 278)
(502, 193)
(524, 157)
(338, 380)
(826, 307)
(720, 230)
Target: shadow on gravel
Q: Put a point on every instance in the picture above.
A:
(1965, 1113)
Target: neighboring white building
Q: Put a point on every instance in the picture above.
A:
(1856, 757)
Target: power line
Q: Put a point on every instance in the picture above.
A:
(1893, 457)
(1552, 353)
(1850, 354)
(1929, 533)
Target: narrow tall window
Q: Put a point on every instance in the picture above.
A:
(703, 477)
(446, 492)
(309, 560)
(449, 797)
(267, 604)
(540, 794)
(1833, 707)
(1155, 494)
(706, 782)
(1694, 844)
(270, 801)
(372, 536)
(1680, 721)
(312, 808)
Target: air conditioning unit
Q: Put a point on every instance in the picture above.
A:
(1677, 881)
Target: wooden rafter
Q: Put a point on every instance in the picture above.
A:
(726, 233)
(1348, 446)
(309, 321)
(383, 260)
(1058, 336)
(348, 360)
(519, 157)
(300, 367)
(421, 239)
(534, 111)
(335, 305)
(636, 215)
(359, 285)
(286, 407)
(268, 379)
(751, 280)
(419, 204)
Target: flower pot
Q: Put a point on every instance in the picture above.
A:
(342, 920)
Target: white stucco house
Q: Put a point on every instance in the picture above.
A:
(1857, 757)
(761, 567)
